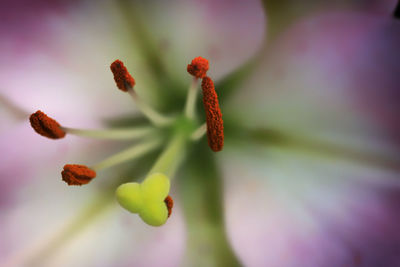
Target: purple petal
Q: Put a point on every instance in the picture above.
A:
(295, 210)
(226, 32)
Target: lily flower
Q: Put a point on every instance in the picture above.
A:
(291, 160)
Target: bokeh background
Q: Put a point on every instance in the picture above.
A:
(309, 90)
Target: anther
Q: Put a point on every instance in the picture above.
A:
(169, 202)
(125, 82)
(122, 77)
(198, 68)
(74, 174)
(215, 124)
(46, 126)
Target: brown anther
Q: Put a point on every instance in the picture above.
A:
(122, 77)
(170, 203)
(198, 68)
(74, 174)
(46, 126)
(215, 124)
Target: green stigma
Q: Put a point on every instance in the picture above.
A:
(146, 199)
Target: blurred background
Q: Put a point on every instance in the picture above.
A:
(309, 175)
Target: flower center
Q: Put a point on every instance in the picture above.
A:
(150, 199)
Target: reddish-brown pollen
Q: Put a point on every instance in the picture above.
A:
(170, 203)
(122, 77)
(74, 174)
(198, 68)
(215, 124)
(46, 126)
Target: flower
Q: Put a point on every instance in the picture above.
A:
(74, 86)
(300, 160)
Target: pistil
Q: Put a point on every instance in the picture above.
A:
(150, 199)
(170, 159)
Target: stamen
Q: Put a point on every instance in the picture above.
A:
(125, 82)
(198, 68)
(122, 77)
(215, 124)
(74, 174)
(133, 152)
(46, 126)
(130, 133)
(191, 99)
(170, 203)
(154, 116)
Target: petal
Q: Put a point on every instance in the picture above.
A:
(297, 210)
(71, 64)
(285, 205)
(55, 225)
(26, 24)
(320, 78)
(226, 32)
